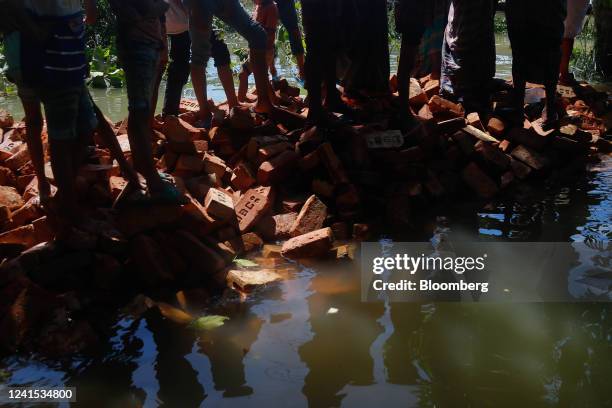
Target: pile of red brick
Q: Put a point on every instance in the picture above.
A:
(251, 181)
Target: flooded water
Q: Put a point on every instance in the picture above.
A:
(310, 341)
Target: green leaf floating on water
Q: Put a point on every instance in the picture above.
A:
(245, 263)
(208, 322)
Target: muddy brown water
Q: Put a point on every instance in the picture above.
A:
(310, 341)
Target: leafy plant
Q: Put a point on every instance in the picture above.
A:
(104, 71)
(208, 322)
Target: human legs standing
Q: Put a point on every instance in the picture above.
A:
(178, 71)
(289, 19)
(410, 23)
(576, 13)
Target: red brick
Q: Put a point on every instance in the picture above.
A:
(27, 213)
(387, 139)
(42, 230)
(493, 155)
(268, 152)
(276, 227)
(10, 198)
(432, 87)
(418, 97)
(20, 236)
(6, 119)
(246, 281)
(451, 125)
(527, 137)
(116, 184)
(479, 181)
(189, 165)
(496, 127)
(277, 169)
(425, 114)
(529, 157)
(258, 142)
(214, 165)
(241, 118)
(465, 142)
(177, 130)
(313, 244)
(311, 217)
(7, 177)
(473, 119)
(242, 177)
(219, 205)
(272, 251)
(195, 218)
(251, 242)
(504, 146)
(17, 160)
(253, 205)
(437, 104)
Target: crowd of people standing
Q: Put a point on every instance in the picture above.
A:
(346, 42)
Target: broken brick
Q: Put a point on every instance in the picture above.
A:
(473, 119)
(189, 164)
(253, 205)
(431, 88)
(496, 127)
(27, 213)
(214, 165)
(311, 217)
(251, 242)
(10, 198)
(313, 244)
(276, 227)
(268, 152)
(219, 205)
(179, 131)
(247, 280)
(242, 177)
(277, 169)
(418, 97)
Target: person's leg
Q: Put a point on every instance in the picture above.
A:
(236, 16)
(161, 68)
(200, 29)
(567, 47)
(551, 116)
(178, 72)
(289, 19)
(222, 58)
(314, 57)
(109, 139)
(61, 111)
(410, 23)
(243, 84)
(140, 64)
(34, 125)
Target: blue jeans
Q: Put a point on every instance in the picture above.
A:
(233, 14)
(288, 16)
(140, 63)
